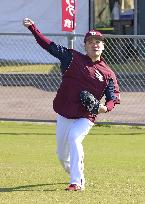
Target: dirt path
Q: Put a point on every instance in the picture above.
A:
(32, 103)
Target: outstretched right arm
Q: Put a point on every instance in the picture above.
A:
(40, 38)
(58, 51)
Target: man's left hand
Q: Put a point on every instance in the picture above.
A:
(102, 109)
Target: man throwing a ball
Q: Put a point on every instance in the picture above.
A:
(85, 80)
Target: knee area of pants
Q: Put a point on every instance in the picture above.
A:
(65, 165)
(74, 137)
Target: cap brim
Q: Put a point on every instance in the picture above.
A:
(101, 38)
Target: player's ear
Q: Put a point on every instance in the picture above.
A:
(85, 47)
(102, 45)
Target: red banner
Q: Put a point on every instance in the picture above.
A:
(68, 15)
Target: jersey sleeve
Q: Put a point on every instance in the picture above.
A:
(112, 94)
(62, 53)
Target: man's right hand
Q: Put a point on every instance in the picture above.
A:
(27, 22)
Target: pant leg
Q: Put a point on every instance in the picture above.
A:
(77, 133)
(62, 129)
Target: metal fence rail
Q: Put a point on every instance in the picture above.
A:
(30, 77)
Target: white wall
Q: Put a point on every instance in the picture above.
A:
(47, 16)
(45, 13)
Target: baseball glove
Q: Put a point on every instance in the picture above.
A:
(89, 102)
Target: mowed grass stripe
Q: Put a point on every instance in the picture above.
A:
(31, 173)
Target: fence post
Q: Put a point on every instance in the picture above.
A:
(71, 39)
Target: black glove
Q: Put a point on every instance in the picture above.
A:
(89, 102)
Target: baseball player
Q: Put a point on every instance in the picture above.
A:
(85, 80)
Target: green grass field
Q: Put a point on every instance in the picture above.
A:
(34, 68)
(128, 67)
(30, 172)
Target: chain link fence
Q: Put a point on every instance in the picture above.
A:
(30, 77)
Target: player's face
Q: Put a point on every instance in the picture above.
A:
(94, 47)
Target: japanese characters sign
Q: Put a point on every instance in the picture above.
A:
(68, 15)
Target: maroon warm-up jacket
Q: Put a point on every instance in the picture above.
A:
(79, 73)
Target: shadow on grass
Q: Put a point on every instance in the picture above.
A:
(31, 133)
(30, 187)
(135, 133)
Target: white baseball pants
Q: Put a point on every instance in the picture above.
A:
(69, 136)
